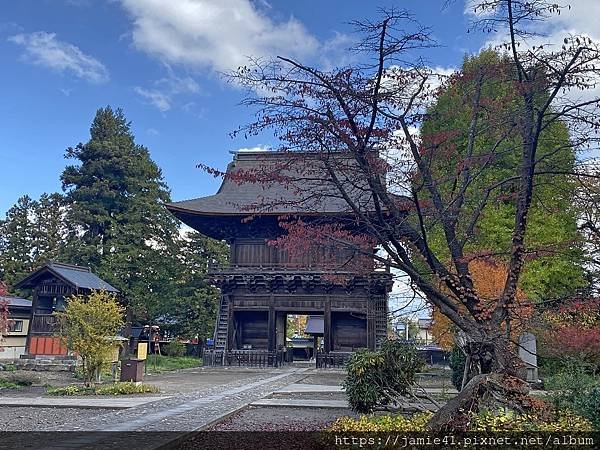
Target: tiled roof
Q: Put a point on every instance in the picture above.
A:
(314, 325)
(16, 301)
(77, 276)
(285, 184)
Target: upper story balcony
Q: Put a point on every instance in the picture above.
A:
(290, 267)
(44, 324)
(257, 256)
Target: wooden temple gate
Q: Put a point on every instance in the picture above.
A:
(262, 283)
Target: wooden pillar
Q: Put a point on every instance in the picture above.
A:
(271, 325)
(230, 345)
(327, 326)
(34, 302)
(370, 324)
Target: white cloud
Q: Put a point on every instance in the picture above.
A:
(258, 148)
(156, 98)
(152, 132)
(218, 35)
(580, 19)
(163, 90)
(44, 49)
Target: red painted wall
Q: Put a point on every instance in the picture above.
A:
(46, 345)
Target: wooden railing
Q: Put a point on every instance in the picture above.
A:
(288, 267)
(246, 358)
(43, 324)
(332, 360)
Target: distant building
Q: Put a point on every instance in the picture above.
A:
(418, 331)
(52, 284)
(14, 342)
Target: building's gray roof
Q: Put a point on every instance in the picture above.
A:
(314, 325)
(77, 276)
(282, 183)
(425, 324)
(16, 301)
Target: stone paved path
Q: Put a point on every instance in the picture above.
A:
(61, 402)
(170, 417)
(192, 410)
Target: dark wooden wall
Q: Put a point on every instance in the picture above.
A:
(253, 329)
(256, 252)
(348, 331)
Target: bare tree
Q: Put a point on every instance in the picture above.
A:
(360, 124)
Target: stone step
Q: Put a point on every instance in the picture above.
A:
(109, 402)
(47, 367)
(302, 388)
(48, 357)
(301, 403)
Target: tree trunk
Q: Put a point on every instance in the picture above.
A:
(489, 391)
(494, 381)
(490, 353)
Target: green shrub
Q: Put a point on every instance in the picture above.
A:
(502, 420)
(457, 364)
(71, 390)
(174, 348)
(573, 382)
(122, 388)
(5, 384)
(126, 388)
(378, 378)
(588, 405)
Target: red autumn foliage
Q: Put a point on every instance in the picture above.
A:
(328, 246)
(572, 330)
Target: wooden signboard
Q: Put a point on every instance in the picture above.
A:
(142, 350)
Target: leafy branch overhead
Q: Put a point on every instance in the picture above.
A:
(444, 170)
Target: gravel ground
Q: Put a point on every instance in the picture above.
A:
(202, 378)
(189, 410)
(280, 419)
(39, 378)
(333, 378)
(195, 397)
(17, 418)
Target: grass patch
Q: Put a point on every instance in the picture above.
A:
(7, 384)
(160, 363)
(122, 388)
(16, 380)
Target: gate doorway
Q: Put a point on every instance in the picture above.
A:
(303, 336)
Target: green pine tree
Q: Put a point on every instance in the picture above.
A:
(34, 232)
(16, 241)
(194, 310)
(117, 195)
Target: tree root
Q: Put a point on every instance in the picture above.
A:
(482, 392)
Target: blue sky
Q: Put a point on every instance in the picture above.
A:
(159, 60)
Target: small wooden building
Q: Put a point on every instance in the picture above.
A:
(262, 283)
(14, 342)
(51, 285)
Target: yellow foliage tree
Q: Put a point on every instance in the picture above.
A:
(87, 326)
